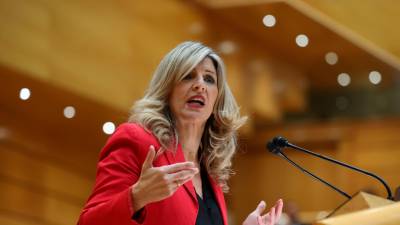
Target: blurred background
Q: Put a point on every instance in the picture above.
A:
(324, 74)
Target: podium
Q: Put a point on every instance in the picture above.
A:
(364, 209)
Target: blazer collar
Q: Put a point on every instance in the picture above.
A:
(219, 197)
(176, 157)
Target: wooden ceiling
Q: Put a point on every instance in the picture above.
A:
(40, 125)
(358, 55)
(370, 19)
(112, 47)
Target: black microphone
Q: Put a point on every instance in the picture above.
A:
(278, 143)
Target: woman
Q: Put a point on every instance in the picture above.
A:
(170, 164)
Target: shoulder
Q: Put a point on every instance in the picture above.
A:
(131, 130)
(130, 136)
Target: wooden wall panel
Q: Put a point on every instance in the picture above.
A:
(34, 190)
(23, 201)
(7, 218)
(42, 174)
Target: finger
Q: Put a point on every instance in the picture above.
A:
(260, 220)
(260, 208)
(182, 181)
(148, 162)
(186, 179)
(265, 218)
(272, 216)
(182, 175)
(178, 184)
(160, 151)
(173, 168)
(279, 207)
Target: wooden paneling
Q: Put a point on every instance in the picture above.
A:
(92, 48)
(37, 190)
(24, 201)
(10, 218)
(48, 162)
(43, 174)
(39, 125)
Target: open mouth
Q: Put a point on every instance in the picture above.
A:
(196, 101)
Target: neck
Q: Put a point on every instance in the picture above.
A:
(189, 134)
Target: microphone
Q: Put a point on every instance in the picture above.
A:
(279, 143)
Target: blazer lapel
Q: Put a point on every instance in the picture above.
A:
(219, 196)
(176, 158)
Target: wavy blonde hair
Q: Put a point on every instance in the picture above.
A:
(218, 143)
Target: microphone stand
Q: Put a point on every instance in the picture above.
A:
(389, 192)
(353, 203)
(312, 175)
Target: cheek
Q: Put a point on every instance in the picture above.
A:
(173, 99)
(181, 89)
(177, 95)
(213, 96)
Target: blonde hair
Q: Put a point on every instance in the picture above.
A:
(218, 143)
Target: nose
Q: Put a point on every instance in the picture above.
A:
(199, 85)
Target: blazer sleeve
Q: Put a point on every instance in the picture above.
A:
(118, 169)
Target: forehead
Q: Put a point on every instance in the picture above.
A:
(206, 64)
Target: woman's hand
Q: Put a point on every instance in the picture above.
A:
(158, 183)
(269, 218)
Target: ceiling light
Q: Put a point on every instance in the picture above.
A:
(302, 40)
(344, 79)
(269, 20)
(375, 77)
(69, 112)
(24, 94)
(342, 102)
(108, 127)
(331, 58)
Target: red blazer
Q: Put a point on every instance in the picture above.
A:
(119, 168)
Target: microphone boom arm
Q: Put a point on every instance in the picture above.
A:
(312, 175)
(345, 165)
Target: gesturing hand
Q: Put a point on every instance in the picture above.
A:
(269, 218)
(158, 183)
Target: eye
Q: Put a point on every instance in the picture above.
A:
(188, 76)
(209, 79)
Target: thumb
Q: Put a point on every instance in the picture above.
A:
(260, 208)
(148, 162)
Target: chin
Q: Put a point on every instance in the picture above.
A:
(195, 117)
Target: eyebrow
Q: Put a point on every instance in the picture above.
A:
(210, 71)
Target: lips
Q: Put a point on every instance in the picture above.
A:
(196, 100)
